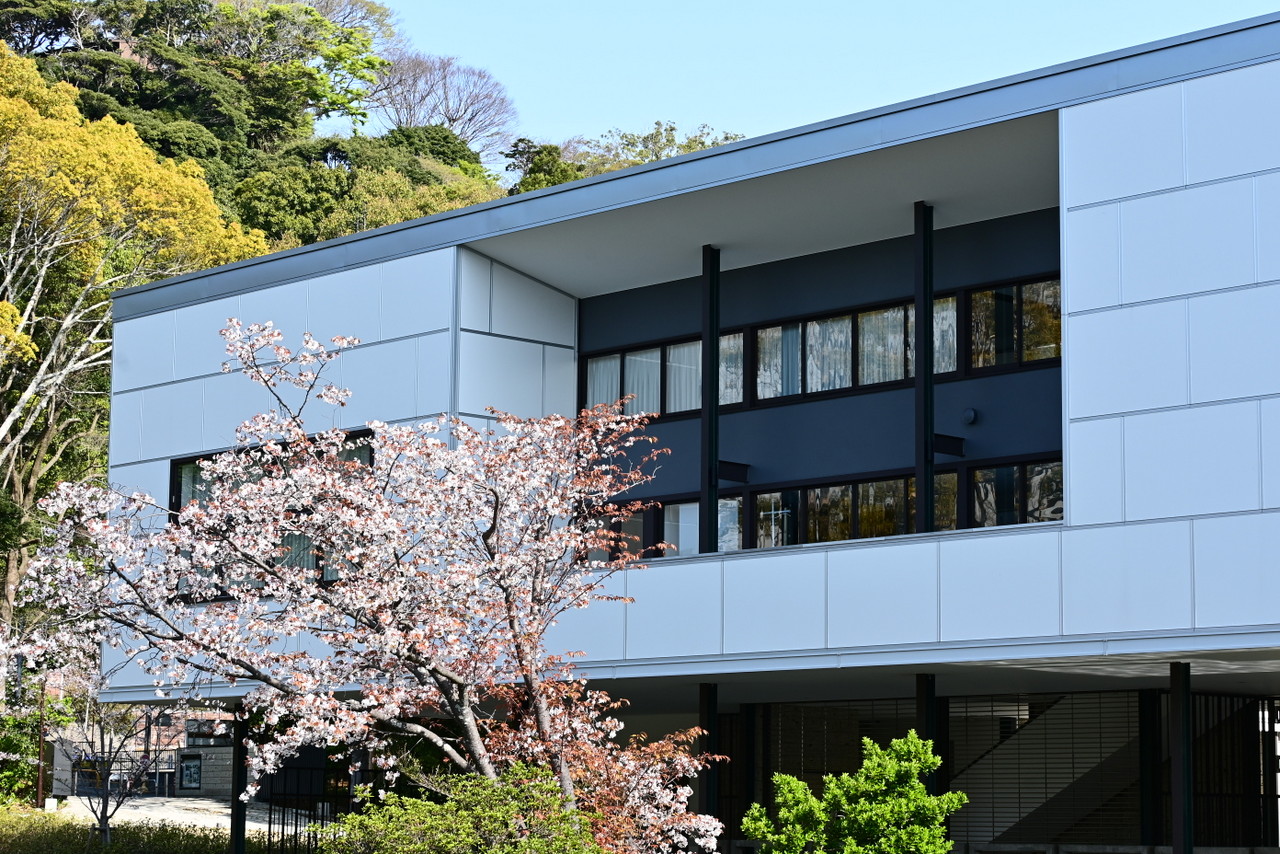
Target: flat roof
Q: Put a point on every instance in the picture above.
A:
(575, 211)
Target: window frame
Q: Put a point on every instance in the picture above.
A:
(962, 294)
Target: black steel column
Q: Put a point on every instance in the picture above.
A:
(1150, 768)
(1181, 786)
(708, 719)
(709, 502)
(239, 779)
(924, 366)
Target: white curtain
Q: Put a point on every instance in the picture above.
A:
(881, 345)
(684, 377)
(642, 377)
(603, 377)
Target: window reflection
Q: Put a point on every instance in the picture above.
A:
(777, 518)
(829, 353)
(997, 496)
(946, 494)
(1044, 492)
(731, 368)
(680, 527)
(830, 514)
(729, 524)
(882, 508)
(992, 327)
(778, 361)
(1041, 321)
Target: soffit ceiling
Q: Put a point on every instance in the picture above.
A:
(973, 175)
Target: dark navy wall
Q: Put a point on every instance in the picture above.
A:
(844, 437)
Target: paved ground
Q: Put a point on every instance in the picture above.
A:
(203, 812)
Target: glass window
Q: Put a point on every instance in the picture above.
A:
(830, 514)
(604, 377)
(778, 361)
(777, 518)
(632, 534)
(882, 507)
(946, 486)
(684, 377)
(992, 327)
(882, 345)
(731, 368)
(829, 353)
(729, 524)
(680, 527)
(997, 496)
(191, 486)
(1041, 321)
(1044, 492)
(944, 336)
(642, 378)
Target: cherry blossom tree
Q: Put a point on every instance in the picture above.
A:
(396, 585)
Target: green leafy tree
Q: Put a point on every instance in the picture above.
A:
(619, 149)
(883, 808)
(523, 813)
(539, 165)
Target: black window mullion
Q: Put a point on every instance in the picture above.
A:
(750, 369)
(662, 379)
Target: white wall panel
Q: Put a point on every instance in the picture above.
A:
(435, 374)
(599, 630)
(1267, 214)
(499, 372)
(1186, 242)
(1235, 561)
(417, 293)
(882, 595)
(1191, 461)
(1126, 359)
(202, 350)
(524, 308)
(560, 381)
(1000, 586)
(347, 303)
(1231, 123)
(284, 305)
(144, 351)
(776, 601)
(229, 400)
(125, 441)
(1123, 146)
(1095, 477)
(1270, 426)
(676, 610)
(149, 477)
(1233, 344)
(1092, 258)
(172, 420)
(1126, 578)
(383, 383)
(475, 283)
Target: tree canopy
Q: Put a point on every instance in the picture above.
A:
(85, 208)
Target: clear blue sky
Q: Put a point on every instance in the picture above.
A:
(581, 68)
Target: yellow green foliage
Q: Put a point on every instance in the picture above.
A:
(101, 175)
(14, 345)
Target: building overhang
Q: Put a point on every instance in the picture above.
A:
(830, 184)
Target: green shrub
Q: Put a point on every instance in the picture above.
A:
(521, 814)
(30, 832)
(882, 809)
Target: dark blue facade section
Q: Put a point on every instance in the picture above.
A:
(862, 433)
(967, 255)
